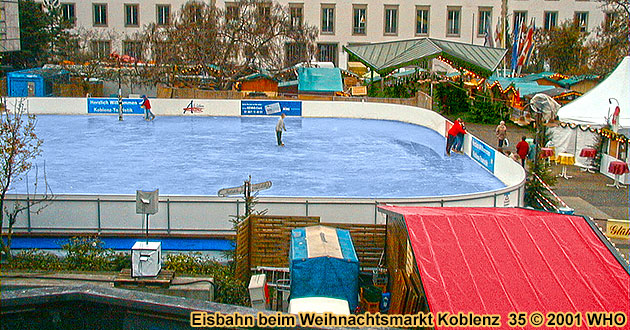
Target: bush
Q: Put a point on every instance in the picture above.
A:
(87, 253)
(451, 98)
(35, 259)
(485, 111)
(228, 289)
(193, 263)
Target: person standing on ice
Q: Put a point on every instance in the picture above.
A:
(146, 105)
(279, 128)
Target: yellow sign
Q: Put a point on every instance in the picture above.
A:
(618, 229)
(358, 90)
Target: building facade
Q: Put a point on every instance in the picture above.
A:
(343, 22)
(9, 26)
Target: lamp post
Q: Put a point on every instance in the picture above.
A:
(120, 102)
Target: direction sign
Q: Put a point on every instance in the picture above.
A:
(240, 190)
(261, 186)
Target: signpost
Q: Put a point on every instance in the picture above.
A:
(246, 189)
(241, 189)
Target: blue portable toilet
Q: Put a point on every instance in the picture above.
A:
(323, 263)
(35, 81)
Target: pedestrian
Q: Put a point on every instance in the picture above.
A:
(452, 135)
(459, 139)
(501, 132)
(146, 105)
(522, 149)
(512, 155)
(279, 128)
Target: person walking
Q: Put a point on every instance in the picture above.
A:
(522, 149)
(279, 128)
(146, 105)
(452, 135)
(501, 132)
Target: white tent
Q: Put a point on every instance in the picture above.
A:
(594, 109)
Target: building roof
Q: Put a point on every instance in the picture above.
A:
(525, 85)
(577, 79)
(257, 75)
(385, 57)
(321, 80)
(500, 260)
(38, 72)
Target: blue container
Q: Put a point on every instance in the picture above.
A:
(35, 81)
(323, 263)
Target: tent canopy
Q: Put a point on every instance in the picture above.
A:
(498, 260)
(320, 80)
(385, 57)
(593, 107)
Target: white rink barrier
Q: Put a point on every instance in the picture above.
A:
(210, 215)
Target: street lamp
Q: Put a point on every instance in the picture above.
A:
(120, 102)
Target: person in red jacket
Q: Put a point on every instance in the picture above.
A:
(522, 148)
(452, 135)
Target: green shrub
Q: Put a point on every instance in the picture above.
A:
(451, 98)
(486, 111)
(228, 289)
(88, 253)
(35, 259)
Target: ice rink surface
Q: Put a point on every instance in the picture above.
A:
(322, 157)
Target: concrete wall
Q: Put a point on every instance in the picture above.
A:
(211, 215)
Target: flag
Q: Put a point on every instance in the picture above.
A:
(515, 37)
(528, 46)
(488, 40)
(498, 36)
(522, 37)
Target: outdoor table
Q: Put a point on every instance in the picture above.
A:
(546, 153)
(589, 153)
(617, 168)
(565, 159)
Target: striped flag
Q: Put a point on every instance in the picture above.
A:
(515, 40)
(527, 46)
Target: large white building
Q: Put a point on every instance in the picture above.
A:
(343, 22)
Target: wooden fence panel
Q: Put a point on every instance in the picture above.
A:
(265, 241)
(241, 255)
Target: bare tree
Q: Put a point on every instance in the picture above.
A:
(226, 44)
(613, 37)
(19, 146)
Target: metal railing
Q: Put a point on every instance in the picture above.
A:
(211, 215)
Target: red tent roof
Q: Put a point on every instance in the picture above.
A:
(500, 260)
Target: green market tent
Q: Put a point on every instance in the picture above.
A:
(385, 57)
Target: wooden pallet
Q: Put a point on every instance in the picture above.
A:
(164, 279)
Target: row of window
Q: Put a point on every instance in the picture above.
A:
(294, 52)
(359, 17)
(453, 27)
(131, 11)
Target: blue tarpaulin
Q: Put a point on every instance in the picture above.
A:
(323, 263)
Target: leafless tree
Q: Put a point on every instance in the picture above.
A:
(19, 146)
(226, 44)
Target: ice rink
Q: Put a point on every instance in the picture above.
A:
(322, 157)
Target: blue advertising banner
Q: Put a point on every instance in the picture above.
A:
(110, 105)
(267, 108)
(483, 154)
